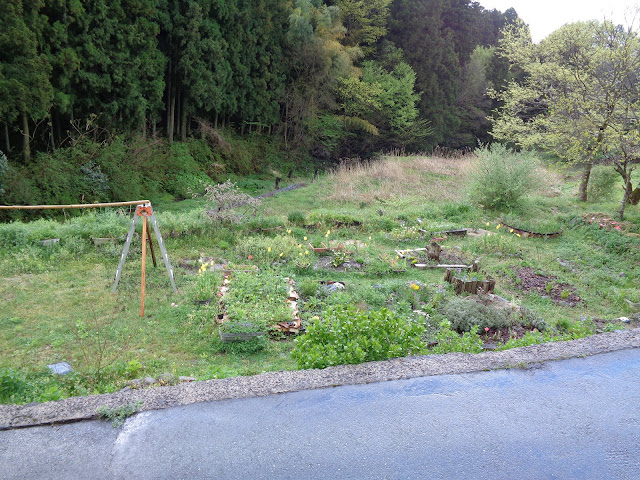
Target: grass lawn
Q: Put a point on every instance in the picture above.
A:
(55, 302)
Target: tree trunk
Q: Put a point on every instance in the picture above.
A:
(183, 120)
(143, 126)
(584, 183)
(58, 131)
(172, 112)
(26, 149)
(178, 114)
(7, 144)
(626, 196)
(52, 133)
(169, 87)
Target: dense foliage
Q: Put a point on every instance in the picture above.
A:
(346, 335)
(325, 78)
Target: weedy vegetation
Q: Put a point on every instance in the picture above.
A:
(359, 301)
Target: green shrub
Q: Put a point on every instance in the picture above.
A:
(464, 315)
(602, 181)
(297, 217)
(348, 336)
(448, 340)
(503, 178)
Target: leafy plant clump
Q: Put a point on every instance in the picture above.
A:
(465, 315)
(118, 415)
(348, 336)
(503, 178)
(227, 204)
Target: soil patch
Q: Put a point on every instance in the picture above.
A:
(499, 336)
(547, 287)
(326, 263)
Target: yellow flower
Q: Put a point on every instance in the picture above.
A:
(306, 252)
(511, 231)
(369, 237)
(518, 234)
(299, 245)
(289, 231)
(328, 232)
(281, 254)
(415, 287)
(269, 249)
(498, 227)
(488, 224)
(300, 254)
(305, 238)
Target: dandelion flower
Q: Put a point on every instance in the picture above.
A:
(305, 238)
(488, 224)
(299, 245)
(498, 227)
(415, 287)
(511, 230)
(518, 235)
(289, 231)
(328, 232)
(300, 254)
(269, 249)
(369, 237)
(281, 254)
(306, 252)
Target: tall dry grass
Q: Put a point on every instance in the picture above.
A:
(427, 177)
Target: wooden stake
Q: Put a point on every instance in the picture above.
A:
(144, 261)
(153, 254)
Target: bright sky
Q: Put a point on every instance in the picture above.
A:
(545, 16)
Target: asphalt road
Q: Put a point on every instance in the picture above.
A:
(569, 419)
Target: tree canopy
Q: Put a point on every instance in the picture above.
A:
(579, 98)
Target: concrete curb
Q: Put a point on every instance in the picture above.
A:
(84, 408)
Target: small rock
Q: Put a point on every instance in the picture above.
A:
(563, 303)
(61, 368)
(125, 389)
(489, 346)
(624, 320)
(419, 220)
(136, 383)
(622, 275)
(583, 318)
(381, 212)
(167, 379)
(334, 287)
(599, 330)
(148, 381)
(187, 379)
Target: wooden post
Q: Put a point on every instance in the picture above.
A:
(144, 261)
(153, 254)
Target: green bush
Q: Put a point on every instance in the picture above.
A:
(297, 217)
(347, 335)
(448, 341)
(503, 178)
(602, 181)
(464, 315)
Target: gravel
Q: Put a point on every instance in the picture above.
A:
(84, 408)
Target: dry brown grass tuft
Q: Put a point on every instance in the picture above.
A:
(426, 177)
